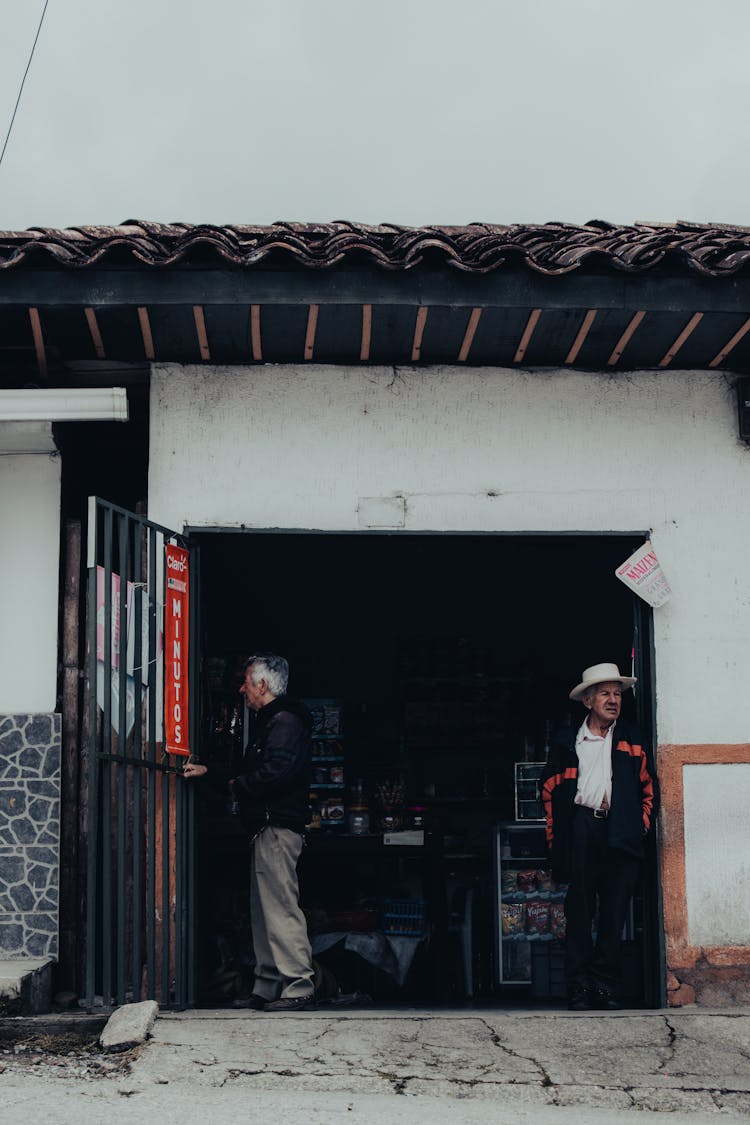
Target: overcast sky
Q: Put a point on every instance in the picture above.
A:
(404, 111)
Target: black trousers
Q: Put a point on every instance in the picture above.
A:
(606, 875)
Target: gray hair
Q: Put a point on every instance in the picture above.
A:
(271, 668)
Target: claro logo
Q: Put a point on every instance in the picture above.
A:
(176, 564)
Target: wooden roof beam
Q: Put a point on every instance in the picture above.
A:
(200, 329)
(312, 327)
(627, 335)
(38, 335)
(256, 343)
(469, 334)
(364, 347)
(419, 325)
(581, 335)
(148, 339)
(503, 289)
(528, 332)
(690, 327)
(96, 336)
(730, 344)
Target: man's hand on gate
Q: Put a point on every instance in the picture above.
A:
(194, 769)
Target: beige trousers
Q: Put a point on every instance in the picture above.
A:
(283, 961)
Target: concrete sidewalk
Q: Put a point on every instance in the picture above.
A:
(472, 1065)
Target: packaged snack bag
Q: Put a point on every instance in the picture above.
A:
(513, 917)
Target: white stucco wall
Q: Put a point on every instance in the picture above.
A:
(717, 865)
(29, 577)
(489, 450)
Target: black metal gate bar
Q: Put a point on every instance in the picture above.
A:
(136, 946)
(121, 777)
(165, 910)
(138, 933)
(103, 845)
(194, 626)
(93, 779)
(179, 872)
(152, 780)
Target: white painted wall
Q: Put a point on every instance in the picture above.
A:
(489, 450)
(29, 576)
(717, 863)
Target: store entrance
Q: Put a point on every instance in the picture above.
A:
(437, 667)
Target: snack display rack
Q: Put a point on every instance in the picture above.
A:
(528, 790)
(327, 785)
(528, 906)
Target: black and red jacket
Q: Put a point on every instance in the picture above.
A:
(272, 784)
(634, 801)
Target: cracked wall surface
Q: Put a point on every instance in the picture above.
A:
(29, 835)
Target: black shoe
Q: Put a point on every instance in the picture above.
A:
(579, 1000)
(292, 1004)
(257, 1003)
(604, 1000)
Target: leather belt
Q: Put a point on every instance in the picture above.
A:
(598, 814)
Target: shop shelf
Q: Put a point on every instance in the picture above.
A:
(406, 917)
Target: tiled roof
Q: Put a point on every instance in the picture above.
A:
(549, 248)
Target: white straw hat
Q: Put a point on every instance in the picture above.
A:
(600, 674)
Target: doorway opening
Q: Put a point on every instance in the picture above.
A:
(437, 667)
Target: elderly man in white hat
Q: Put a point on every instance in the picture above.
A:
(600, 793)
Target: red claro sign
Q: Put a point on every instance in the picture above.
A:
(176, 618)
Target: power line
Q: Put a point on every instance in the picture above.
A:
(23, 80)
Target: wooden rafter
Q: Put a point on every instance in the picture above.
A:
(255, 336)
(730, 344)
(96, 336)
(528, 332)
(200, 328)
(469, 334)
(581, 335)
(312, 326)
(36, 332)
(148, 339)
(622, 343)
(364, 347)
(691, 325)
(419, 325)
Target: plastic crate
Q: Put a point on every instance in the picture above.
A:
(547, 970)
(407, 917)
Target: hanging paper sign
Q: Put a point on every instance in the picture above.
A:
(176, 610)
(642, 572)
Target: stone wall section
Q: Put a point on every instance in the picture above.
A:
(29, 835)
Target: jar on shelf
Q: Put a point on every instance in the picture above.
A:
(358, 821)
(391, 818)
(416, 816)
(358, 811)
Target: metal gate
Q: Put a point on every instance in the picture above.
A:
(139, 821)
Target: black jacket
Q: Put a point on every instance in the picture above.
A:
(634, 795)
(272, 784)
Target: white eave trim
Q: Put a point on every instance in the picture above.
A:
(79, 404)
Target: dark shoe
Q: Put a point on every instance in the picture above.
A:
(579, 1000)
(257, 1003)
(604, 1000)
(292, 1004)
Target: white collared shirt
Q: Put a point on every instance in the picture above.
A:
(594, 768)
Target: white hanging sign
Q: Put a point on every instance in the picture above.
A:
(642, 572)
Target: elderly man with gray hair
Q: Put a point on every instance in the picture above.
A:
(272, 791)
(599, 791)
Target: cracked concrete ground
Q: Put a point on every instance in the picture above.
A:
(473, 1065)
